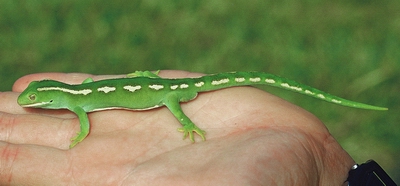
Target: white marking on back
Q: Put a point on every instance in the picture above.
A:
(285, 85)
(173, 87)
(218, 82)
(131, 88)
(199, 84)
(336, 101)
(239, 80)
(270, 81)
(184, 86)
(106, 89)
(254, 80)
(156, 87)
(321, 96)
(296, 88)
(75, 92)
(309, 92)
(291, 87)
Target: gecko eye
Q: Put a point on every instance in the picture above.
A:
(32, 97)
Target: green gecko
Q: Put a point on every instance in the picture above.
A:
(144, 90)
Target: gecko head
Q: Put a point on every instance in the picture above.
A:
(41, 94)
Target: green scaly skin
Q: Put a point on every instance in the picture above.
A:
(146, 90)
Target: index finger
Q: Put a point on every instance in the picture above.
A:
(77, 78)
(70, 78)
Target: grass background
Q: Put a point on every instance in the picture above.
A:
(347, 47)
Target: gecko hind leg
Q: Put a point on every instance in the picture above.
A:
(144, 74)
(188, 127)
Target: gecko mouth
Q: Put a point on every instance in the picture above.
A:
(37, 104)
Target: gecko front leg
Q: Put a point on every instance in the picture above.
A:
(84, 126)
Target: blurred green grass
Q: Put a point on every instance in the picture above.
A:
(348, 48)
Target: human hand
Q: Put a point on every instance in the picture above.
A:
(253, 138)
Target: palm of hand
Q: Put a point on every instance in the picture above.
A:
(252, 138)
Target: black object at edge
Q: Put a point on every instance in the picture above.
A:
(369, 174)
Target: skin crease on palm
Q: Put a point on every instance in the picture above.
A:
(253, 138)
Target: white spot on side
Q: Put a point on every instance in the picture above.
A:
(270, 81)
(131, 88)
(173, 87)
(254, 80)
(75, 92)
(240, 80)
(156, 87)
(106, 89)
(110, 108)
(309, 92)
(199, 84)
(321, 96)
(336, 101)
(184, 86)
(218, 82)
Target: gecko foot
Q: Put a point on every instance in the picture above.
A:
(78, 138)
(189, 129)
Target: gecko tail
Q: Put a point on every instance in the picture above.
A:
(231, 79)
